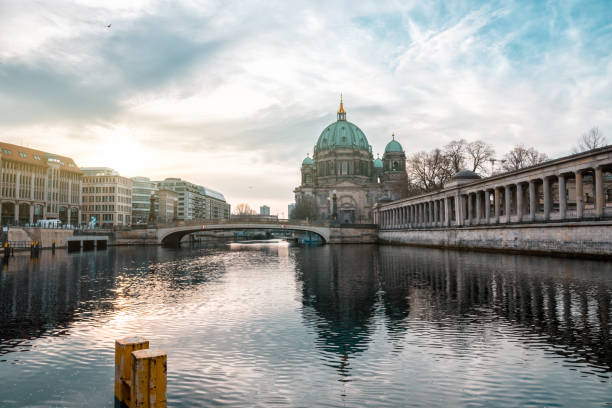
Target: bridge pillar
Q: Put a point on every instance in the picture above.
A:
(599, 195)
(579, 195)
(546, 189)
(562, 197)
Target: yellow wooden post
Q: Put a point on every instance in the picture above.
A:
(149, 379)
(123, 367)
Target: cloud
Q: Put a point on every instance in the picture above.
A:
(233, 94)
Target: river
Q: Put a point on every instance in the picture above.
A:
(346, 325)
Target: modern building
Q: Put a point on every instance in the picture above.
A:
(167, 205)
(107, 197)
(290, 209)
(216, 205)
(142, 191)
(343, 178)
(264, 210)
(38, 185)
(191, 202)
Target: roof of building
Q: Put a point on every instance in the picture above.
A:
(99, 171)
(393, 146)
(466, 175)
(307, 160)
(212, 193)
(342, 134)
(378, 164)
(35, 157)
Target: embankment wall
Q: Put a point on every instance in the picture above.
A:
(593, 239)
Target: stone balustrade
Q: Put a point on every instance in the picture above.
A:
(577, 187)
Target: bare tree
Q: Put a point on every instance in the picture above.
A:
(520, 157)
(305, 209)
(243, 209)
(479, 153)
(429, 170)
(591, 140)
(455, 153)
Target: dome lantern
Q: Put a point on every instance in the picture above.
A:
(341, 111)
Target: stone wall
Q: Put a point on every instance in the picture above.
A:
(568, 238)
(355, 235)
(43, 235)
(135, 237)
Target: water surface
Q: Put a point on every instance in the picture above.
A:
(265, 325)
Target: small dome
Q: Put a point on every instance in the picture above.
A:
(307, 160)
(378, 164)
(393, 146)
(466, 175)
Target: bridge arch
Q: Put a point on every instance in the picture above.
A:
(171, 236)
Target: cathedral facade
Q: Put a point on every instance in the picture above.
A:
(344, 180)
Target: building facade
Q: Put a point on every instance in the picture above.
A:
(38, 185)
(264, 210)
(191, 202)
(217, 207)
(344, 180)
(167, 206)
(107, 197)
(143, 191)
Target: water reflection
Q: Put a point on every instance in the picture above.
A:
(44, 296)
(451, 300)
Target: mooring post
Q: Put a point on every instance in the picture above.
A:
(149, 379)
(123, 368)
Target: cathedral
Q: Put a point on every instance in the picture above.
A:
(344, 179)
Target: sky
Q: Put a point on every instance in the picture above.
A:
(233, 94)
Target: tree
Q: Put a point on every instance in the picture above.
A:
(243, 209)
(520, 157)
(591, 140)
(479, 153)
(429, 171)
(455, 153)
(305, 209)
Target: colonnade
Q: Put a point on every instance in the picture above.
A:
(17, 217)
(568, 195)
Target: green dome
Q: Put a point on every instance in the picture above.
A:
(307, 160)
(378, 164)
(342, 135)
(393, 146)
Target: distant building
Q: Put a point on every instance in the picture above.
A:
(142, 191)
(264, 210)
(191, 201)
(166, 206)
(216, 205)
(290, 209)
(38, 185)
(107, 196)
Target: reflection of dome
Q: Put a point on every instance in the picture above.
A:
(466, 175)
(307, 160)
(393, 146)
(378, 164)
(342, 135)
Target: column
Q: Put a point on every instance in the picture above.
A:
(470, 206)
(478, 207)
(562, 197)
(497, 204)
(446, 211)
(487, 206)
(532, 200)
(579, 195)
(430, 207)
(436, 215)
(16, 212)
(519, 202)
(546, 198)
(458, 220)
(508, 199)
(599, 194)
(31, 213)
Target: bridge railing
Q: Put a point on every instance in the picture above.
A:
(240, 220)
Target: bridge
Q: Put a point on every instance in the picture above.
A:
(171, 234)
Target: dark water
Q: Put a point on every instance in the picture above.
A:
(327, 326)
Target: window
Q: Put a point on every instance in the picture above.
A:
(22, 154)
(36, 157)
(6, 151)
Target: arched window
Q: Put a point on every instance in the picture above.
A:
(395, 166)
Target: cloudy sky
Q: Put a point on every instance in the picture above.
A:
(233, 94)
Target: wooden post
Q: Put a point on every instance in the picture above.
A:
(149, 379)
(123, 367)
